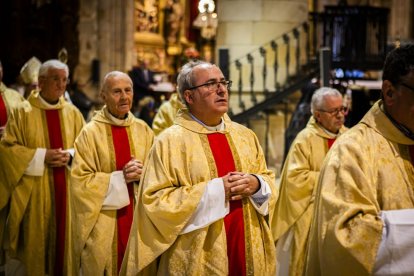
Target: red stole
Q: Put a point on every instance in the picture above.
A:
(124, 215)
(3, 112)
(59, 183)
(233, 222)
(330, 142)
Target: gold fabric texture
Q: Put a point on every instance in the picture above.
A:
(32, 197)
(166, 114)
(8, 171)
(179, 167)
(295, 205)
(367, 170)
(94, 230)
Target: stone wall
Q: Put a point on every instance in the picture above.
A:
(106, 30)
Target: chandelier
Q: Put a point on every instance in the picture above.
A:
(206, 20)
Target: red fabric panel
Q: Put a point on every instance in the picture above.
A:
(330, 142)
(59, 182)
(233, 222)
(3, 112)
(124, 215)
(411, 148)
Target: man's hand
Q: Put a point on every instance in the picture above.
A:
(132, 170)
(238, 185)
(57, 157)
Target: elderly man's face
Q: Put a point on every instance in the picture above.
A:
(402, 101)
(118, 96)
(331, 114)
(208, 102)
(53, 85)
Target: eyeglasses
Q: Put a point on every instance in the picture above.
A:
(211, 85)
(407, 86)
(335, 112)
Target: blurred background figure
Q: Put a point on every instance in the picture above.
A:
(29, 75)
(9, 99)
(166, 114)
(143, 85)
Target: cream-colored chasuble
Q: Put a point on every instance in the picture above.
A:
(31, 225)
(179, 167)
(295, 205)
(94, 230)
(368, 170)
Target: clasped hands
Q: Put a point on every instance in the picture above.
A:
(238, 185)
(132, 170)
(57, 157)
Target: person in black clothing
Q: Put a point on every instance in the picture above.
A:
(143, 85)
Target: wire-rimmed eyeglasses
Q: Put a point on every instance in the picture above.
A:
(211, 85)
(335, 112)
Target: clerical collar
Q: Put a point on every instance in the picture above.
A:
(47, 104)
(115, 119)
(401, 127)
(218, 127)
(330, 134)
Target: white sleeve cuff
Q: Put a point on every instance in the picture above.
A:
(117, 196)
(260, 199)
(72, 155)
(396, 250)
(71, 152)
(36, 166)
(212, 207)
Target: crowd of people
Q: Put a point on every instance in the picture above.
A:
(108, 197)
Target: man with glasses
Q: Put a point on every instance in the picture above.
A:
(294, 209)
(42, 136)
(205, 192)
(364, 219)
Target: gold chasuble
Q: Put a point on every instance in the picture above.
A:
(183, 160)
(233, 222)
(9, 100)
(294, 209)
(100, 235)
(368, 170)
(166, 114)
(37, 225)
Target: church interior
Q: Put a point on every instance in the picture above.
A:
(276, 52)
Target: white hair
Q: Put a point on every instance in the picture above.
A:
(52, 64)
(319, 95)
(113, 74)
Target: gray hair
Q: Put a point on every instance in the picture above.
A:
(113, 74)
(319, 95)
(52, 64)
(185, 77)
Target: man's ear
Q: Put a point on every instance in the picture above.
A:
(188, 96)
(103, 95)
(388, 91)
(317, 116)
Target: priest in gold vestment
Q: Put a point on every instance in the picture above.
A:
(9, 100)
(205, 191)
(39, 140)
(365, 201)
(109, 158)
(166, 114)
(294, 209)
